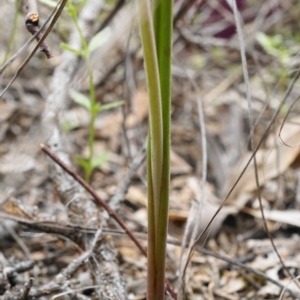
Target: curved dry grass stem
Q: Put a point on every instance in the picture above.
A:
(275, 115)
(286, 287)
(238, 22)
(195, 214)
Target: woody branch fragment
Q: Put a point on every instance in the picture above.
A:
(32, 24)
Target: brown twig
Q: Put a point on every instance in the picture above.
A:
(111, 15)
(25, 46)
(32, 25)
(102, 203)
(28, 286)
(69, 230)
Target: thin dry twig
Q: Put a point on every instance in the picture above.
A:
(251, 125)
(25, 46)
(93, 193)
(275, 115)
(60, 7)
(19, 241)
(68, 229)
(103, 204)
(195, 214)
(27, 289)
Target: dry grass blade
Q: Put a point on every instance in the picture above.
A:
(251, 125)
(275, 115)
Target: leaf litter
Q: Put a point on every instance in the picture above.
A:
(207, 50)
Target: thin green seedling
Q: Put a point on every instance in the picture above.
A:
(156, 36)
(89, 103)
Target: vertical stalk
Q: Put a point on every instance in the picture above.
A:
(157, 45)
(155, 143)
(152, 75)
(163, 25)
(93, 112)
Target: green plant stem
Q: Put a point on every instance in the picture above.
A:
(163, 25)
(151, 266)
(157, 44)
(94, 108)
(152, 75)
(92, 122)
(155, 143)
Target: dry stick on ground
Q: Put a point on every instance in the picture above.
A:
(9, 273)
(32, 25)
(27, 288)
(69, 230)
(68, 272)
(103, 204)
(249, 269)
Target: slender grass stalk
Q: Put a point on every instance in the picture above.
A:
(155, 140)
(157, 45)
(163, 25)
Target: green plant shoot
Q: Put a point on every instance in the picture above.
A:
(89, 103)
(156, 37)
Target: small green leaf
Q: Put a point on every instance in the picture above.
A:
(99, 39)
(81, 99)
(99, 160)
(84, 163)
(269, 44)
(111, 105)
(72, 50)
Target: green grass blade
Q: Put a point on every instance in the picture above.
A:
(152, 75)
(163, 27)
(157, 45)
